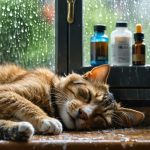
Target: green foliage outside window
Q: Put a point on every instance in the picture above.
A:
(26, 37)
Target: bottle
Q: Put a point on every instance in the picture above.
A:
(138, 49)
(99, 46)
(121, 45)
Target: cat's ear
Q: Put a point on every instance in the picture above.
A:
(99, 73)
(125, 117)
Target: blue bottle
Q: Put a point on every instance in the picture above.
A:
(99, 46)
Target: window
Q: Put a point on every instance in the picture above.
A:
(36, 33)
(27, 32)
(108, 12)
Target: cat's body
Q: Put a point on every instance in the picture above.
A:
(37, 100)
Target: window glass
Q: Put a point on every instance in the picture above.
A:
(108, 12)
(27, 32)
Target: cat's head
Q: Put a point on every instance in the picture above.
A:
(85, 103)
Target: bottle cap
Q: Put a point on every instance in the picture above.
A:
(99, 27)
(138, 35)
(121, 24)
(138, 28)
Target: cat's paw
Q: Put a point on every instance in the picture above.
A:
(22, 132)
(51, 125)
(26, 128)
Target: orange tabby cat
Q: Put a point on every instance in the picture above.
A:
(38, 100)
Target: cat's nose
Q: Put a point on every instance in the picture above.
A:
(82, 114)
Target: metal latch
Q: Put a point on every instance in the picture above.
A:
(70, 15)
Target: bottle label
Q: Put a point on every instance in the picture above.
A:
(99, 51)
(138, 54)
(138, 57)
(121, 50)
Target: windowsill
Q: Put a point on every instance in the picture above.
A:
(103, 140)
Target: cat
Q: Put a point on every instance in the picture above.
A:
(39, 101)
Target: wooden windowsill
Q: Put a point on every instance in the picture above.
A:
(120, 139)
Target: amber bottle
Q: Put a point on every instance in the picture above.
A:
(138, 49)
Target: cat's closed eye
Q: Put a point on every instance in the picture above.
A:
(85, 94)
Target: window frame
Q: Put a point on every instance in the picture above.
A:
(68, 50)
(61, 51)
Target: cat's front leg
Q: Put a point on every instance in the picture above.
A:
(24, 110)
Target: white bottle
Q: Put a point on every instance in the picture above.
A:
(121, 45)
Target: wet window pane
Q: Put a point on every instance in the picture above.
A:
(27, 32)
(108, 12)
